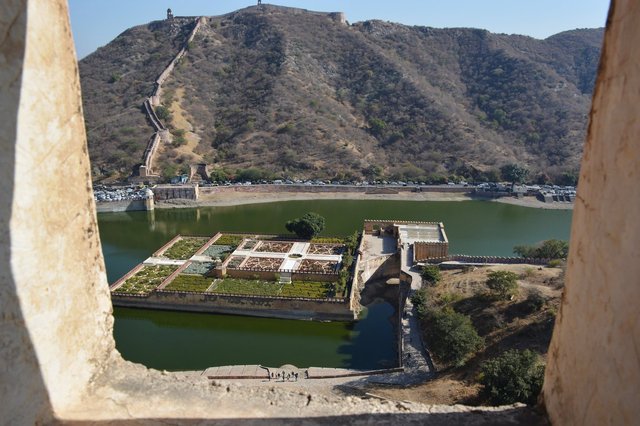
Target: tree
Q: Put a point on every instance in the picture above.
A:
(514, 376)
(218, 175)
(163, 113)
(548, 249)
(451, 336)
(431, 274)
(504, 284)
(307, 226)
(377, 126)
(514, 173)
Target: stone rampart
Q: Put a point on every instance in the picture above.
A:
(287, 308)
(151, 115)
(154, 100)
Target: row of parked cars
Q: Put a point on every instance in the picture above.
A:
(106, 194)
(329, 182)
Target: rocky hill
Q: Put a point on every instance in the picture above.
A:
(291, 93)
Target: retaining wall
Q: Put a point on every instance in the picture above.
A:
(307, 309)
(121, 206)
(169, 192)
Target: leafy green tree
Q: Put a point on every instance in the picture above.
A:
(548, 249)
(431, 274)
(569, 178)
(503, 284)
(514, 376)
(163, 113)
(307, 226)
(377, 126)
(514, 173)
(219, 175)
(252, 174)
(419, 301)
(451, 336)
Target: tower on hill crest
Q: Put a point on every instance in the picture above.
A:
(169, 14)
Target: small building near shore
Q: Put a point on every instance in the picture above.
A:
(428, 239)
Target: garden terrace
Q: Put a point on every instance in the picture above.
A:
(324, 266)
(273, 247)
(263, 263)
(285, 256)
(235, 261)
(315, 248)
(144, 281)
(184, 248)
(188, 282)
(220, 252)
(296, 289)
(199, 268)
(229, 240)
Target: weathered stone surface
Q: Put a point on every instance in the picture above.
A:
(23, 397)
(593, 374)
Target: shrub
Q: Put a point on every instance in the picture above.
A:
(377, 126)
(514, 376)
(419, 301)
(503, 284)
(163, 113)
(535, 301)
(555, 263)
(451, 336)
(548, 249)
(431, 274)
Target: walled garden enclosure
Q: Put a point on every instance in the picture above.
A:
(245, 265)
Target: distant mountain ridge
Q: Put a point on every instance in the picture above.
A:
(285, 92)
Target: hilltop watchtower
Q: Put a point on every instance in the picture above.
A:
(169, 15)
(259, 2)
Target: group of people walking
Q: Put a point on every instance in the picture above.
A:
(284, 376)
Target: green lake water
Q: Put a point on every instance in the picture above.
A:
(182, 341)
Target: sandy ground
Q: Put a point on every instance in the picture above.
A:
(240, 198)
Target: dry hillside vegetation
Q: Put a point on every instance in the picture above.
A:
(296, 94)
(504, 325)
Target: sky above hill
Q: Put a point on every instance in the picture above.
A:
(97, 22)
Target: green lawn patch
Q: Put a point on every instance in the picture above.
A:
(146, 280)
(305, 289)
(184, 282)
(248, 287)
(184, 248)
(229, 240)
(310, 289)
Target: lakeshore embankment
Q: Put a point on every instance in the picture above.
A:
(236, 198)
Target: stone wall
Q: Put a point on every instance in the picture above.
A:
(171, 192)
(593, 369)
(55, 322)
(288, 308)
(161, 132)
(425, 250)
(121, 206)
